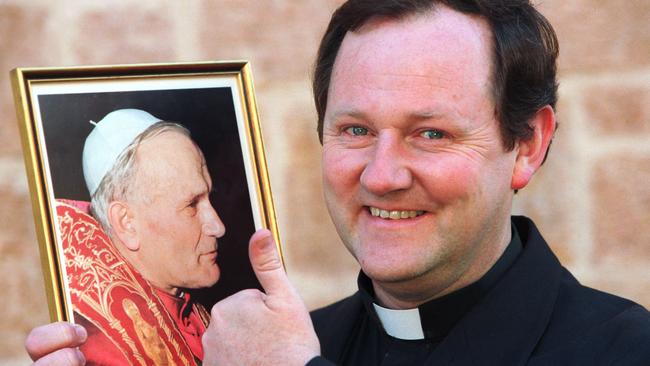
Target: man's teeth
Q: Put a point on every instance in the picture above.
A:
(394, 215)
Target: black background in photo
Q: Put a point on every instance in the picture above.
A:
(209, 115)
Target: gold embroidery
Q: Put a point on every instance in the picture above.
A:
(96, 277)
(148, 335)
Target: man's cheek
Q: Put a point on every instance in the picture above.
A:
(167, 229)
(157, 223)
(447, 182)
(341, 165)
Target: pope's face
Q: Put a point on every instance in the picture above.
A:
(177, 227)
(416, 177)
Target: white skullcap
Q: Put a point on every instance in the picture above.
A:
(108, 139)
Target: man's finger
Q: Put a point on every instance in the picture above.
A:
(267, 264)
(62, 357)
(52, 337)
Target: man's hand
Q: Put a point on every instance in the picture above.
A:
(256, 328)
(55, 344)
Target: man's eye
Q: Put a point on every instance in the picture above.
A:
(432, 134)
(357, 131)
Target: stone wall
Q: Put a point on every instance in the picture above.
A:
(591, 199)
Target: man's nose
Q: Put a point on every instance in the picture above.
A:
(212, 224)
(387, 170)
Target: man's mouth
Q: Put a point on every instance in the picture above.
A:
(210, 253)
(394, 214)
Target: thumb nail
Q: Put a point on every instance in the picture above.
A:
(267, 244)
(81, 332)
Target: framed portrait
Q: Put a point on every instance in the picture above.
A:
(147, 182)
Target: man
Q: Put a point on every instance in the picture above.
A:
(150, 192)
(432, 115)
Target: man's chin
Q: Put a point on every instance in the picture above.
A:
(213, 281)
(210, 279)
(394, 272)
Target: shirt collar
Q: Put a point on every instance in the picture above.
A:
(434, 319)
(179, 305)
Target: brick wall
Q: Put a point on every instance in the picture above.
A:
(591, 199)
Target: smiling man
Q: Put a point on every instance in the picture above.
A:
(416, 176)
(432, 114)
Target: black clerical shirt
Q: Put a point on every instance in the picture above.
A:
(526, 310)
(371, 345)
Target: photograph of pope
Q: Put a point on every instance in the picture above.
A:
(150, 188)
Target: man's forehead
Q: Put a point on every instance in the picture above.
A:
(169, 154)
(415, 57)
(168, 142)
(443, 30)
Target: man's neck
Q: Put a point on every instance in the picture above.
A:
(134, 261)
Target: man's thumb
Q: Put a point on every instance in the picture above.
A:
(266, 263)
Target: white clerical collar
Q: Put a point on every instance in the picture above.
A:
(401, 324)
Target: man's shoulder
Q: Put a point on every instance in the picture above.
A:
(588, 310)
(574, 303)
(344, 309)
(594, 326)
(335, 323)
(582, 325)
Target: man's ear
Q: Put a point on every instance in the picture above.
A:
(532, 151)
(123, 225)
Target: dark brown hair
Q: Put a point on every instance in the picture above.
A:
(524, 54)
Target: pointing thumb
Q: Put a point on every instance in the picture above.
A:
(266, 263)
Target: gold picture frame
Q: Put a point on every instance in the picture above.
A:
(215, 101)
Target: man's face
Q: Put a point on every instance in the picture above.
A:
(410, 133)
(177, 227)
